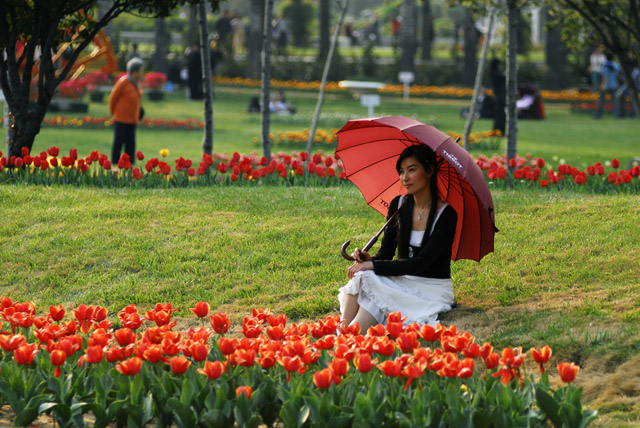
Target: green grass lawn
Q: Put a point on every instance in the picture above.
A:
(564, 272)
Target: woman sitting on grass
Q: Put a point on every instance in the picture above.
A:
(418, 282)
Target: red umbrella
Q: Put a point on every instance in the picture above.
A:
(369, 149)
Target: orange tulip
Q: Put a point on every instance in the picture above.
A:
(212, 369)
(323, 378)
(179, 365)
(10, 343)
(199, 351)
(153, 353)
(130, 367)
(492, 360)
(58, 357)
(340, 366)
(541, 356)
(267, 359)
(246, 390)
(391, 368)
(568, 371)
(201, 310)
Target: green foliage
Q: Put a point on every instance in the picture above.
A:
(299, 14)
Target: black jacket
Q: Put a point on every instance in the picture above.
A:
(431, 260)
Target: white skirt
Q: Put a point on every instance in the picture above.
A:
(415, 297)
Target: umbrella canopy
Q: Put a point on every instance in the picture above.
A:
(369, 149)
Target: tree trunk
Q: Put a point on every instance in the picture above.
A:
(207, 85)
(408, 36)
(325, 73)
(555, 55)
(256, 22)
(192, 34)
(265, 113)
(470, 51)
(162, 46)
(479, 73)
(427, 29)
(324, 25)
(512, 85)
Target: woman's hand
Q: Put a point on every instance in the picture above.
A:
(361, 256)
(359, 267)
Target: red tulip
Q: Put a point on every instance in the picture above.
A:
(340, 366)
(364, 363)
(53, 151)
(139, 155)
(24, 354)
(541, 355)
(130, 367)
(153, 353)
(179, 365)
(10, 343)
(568, 371)
(94, 354)
(58, 357)
(391, 368)
(615, 163)
(220, 322)
(492, 360)
(466, 368)
(267, 359)
(125, 336)
(246, 390)
(199, 351)
(227, 346)
(323, 378)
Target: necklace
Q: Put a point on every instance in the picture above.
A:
(420, 212)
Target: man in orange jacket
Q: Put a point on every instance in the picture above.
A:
(124, 104)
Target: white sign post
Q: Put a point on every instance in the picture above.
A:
(366, 91)
(406, 77)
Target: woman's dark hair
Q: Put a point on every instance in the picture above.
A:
(428, 160)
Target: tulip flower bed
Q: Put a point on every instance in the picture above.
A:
(446, 92)
(136, 368)
(534, 172)
(91, 122)
(219, 169)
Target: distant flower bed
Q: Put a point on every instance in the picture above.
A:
(136, 367)
(591, 107)
(92, 122)
(415, 90)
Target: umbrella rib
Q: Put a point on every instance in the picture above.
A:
(380, 193)
(372, 164)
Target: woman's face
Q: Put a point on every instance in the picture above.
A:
(413, 176)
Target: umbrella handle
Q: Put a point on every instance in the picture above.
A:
(343, 249)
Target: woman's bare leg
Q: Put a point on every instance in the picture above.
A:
(365, 319)
(351, 307)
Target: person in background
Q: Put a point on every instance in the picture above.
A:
(239, 38)
(623, 93)
(498, 82)
(124, 105)
(596, 61)
(609, 85)
(194, 68)
(134, 52)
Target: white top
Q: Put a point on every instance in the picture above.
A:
(416, 238)
(597, 61)
(417, 235)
